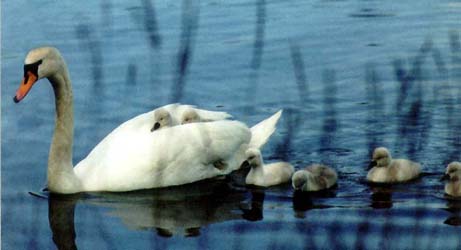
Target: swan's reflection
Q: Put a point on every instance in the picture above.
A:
(454, 207)
(381, 197)
(61, 217)
(169, 211)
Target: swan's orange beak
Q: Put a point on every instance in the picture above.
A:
(26, 84)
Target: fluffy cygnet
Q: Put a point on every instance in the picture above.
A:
(315, 177)
(162, 119)
(384, 169)
(453, 178)
(266, 175)
(190, 116)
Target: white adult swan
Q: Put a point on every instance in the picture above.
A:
(384, 169)
(130, 158)
(453, 178)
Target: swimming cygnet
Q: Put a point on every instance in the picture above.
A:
(315, 177)
(384, 169)
(266, 175)
(453, 176)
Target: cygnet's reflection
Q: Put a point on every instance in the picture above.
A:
(381, 197)
(177, 210)
(255, 211)
(304, 201)
(454, 207)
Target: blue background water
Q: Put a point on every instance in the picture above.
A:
(350, 75)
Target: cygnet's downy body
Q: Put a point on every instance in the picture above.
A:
(453, 178)
(313, 178)
(266, 175)
(384, 169)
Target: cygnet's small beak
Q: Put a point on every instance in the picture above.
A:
(155, 127)
(372, 164)
(445, 177)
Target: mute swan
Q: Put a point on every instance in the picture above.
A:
(266, 175)
(453, 176)
(315, 177)
(384, 169)
(176, 114)
(130, 158)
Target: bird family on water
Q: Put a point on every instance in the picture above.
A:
(178, 144)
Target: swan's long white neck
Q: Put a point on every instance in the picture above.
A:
(61, 176)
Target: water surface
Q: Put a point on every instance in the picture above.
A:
(350, 76)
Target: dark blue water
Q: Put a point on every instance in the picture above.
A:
(350, 75)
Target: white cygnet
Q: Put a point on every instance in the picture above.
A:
(190, 116)
(162, 119)
(384, 169)
(315, 177)
(266, 175)
(453, 178)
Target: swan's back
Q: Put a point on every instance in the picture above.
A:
(130, 159)
(177, 110)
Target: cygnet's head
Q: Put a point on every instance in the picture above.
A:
(299, 179)
(190, 116)
(453, 171)
(39, 63)
(381, 158)
(253, 157)
(162, 119)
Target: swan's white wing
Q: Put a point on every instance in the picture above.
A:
(130, 159)
(261, 132)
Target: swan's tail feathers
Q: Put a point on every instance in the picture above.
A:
(261, 132)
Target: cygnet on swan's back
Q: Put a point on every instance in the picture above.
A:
(315, 177)
(176, 114)
(384, 169)
(266, 175)
(453, 178)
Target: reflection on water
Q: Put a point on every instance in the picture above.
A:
(381, 197)
(180, 210)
